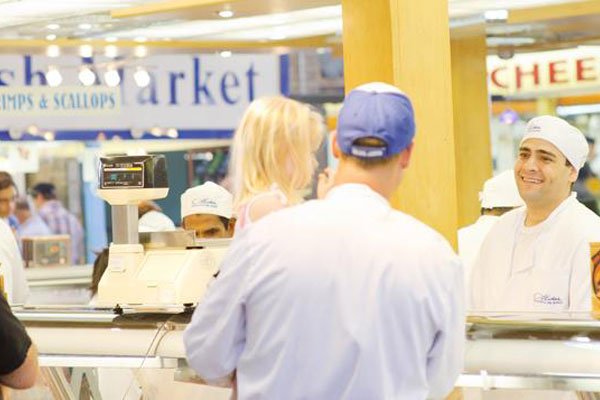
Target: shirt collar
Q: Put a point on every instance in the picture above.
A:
(356, 190)
(562, 206)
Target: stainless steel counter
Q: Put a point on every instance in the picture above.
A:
(503, 351)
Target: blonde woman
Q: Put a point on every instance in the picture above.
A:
(273, 156)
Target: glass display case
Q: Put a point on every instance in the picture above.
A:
(503, 351)
(532, 351)
(87, 352)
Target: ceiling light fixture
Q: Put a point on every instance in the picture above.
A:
(51, 37)
(141, 77)
(137, 133)
(15, 133)
(85, 26)
(111, 39)
(226, 54)
(140, 51)
(112, 77)
(33, 130)
(565, 111)
(172, 133)
(496, 15)
(49, 136)
(53, 27)
(278, 36)
(53, 76)
(52, 51)
(111, 51)
(156, 131)
(86, 51)
(86, 76)
(495, 41)
(226, 13)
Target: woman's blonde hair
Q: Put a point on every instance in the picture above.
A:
(275, 143)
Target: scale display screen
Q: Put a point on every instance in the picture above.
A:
(123, 175)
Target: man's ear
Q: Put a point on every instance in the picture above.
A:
(335, 148)
(573, 175)
(231, 227)
(405, 155)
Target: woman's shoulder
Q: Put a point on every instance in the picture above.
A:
(265, 204)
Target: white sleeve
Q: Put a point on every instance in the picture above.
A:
(12, 264)
(446, 357)
(215, 337)
(476, 281)
(580, 285)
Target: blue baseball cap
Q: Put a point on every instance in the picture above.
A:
(375, 110)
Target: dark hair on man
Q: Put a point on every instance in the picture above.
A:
(497, 211)
(368, 163)
(100, 265)
(22, 204)
(225, 222)
(45, 189)
(145, 206)
(6, 180)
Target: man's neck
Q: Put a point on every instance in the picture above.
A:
(348, 173)
(537, 214)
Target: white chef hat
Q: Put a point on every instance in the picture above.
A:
(208, 198)
(568, 139)
(155, 221)
(501, 191)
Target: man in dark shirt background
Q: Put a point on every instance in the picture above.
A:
(18, 356)
(581, 186)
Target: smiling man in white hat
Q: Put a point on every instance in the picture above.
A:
(536, 258)
(207, 210)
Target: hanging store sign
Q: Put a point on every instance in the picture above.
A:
(551, 73)
(190, 93)
(69, 101)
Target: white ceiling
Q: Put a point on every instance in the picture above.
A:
(90, 19)
(462, 8)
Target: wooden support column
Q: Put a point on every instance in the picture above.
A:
(407, 43)
(471, 122)
(546, 106)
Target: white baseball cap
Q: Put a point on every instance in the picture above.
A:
(568, 139)
(208, 198)
(501, 191)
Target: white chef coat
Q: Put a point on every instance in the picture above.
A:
(12, 266)
(558, 276)
(470, 239)
(341, 298)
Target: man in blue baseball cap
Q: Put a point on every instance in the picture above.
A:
(342, 297)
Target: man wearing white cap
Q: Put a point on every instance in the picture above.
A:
(342, 297)
(206, 209)
(499, 195)
(536, 258)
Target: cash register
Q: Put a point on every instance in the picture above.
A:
(160, 274)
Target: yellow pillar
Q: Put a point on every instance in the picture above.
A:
(546, 106)
(471, 122)
(407, 43)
